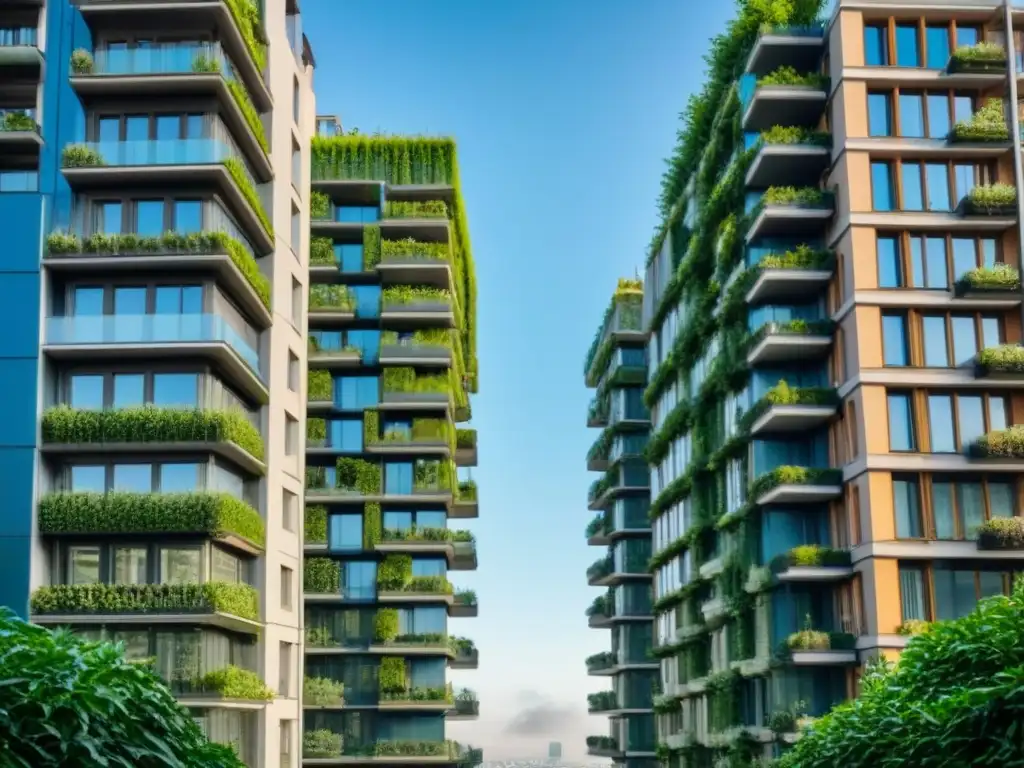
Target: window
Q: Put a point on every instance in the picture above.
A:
(955, 590)
(908, 52)
(937, 187)
(911, 115)
(346, 532)
(894, 339)
(287, 730)
(937, 45)
(913, 191)
(123, 390)
(296, 166)
(879, 115)
(901, 423)
(967, 35)
(907, 506)
(289, 509)
(938, 116)
(890, 262)
(960, 506)
(83, 565)
(285, 663)
(293, 371)
(933, 337)
(876, 45)
(86, 391)
(912, 594)
(957, 421)
(883, 194)
(291, 435)
(226, 567)
(296, 304)
(296, 232)
(180, 565)
(296, 106)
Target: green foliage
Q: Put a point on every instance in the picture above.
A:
(252, 117)
(82, 62)
(792, 134)
(171, 243)
(319, 386)
(981, 57)
(246, 14)
(80, 156)
(426, 209)
(331, 297)
(411, 160)
(323, 692)
(372, 525)
(465, 438)
(805, 197)
(238, 172)
(790, 77)
(371, 246)
(17, 121)
(66, 702)
(319, 205)
(403, 295)
(1001, 444)
(321, 252)
(358, 475)
(465, 597)
(788, 475)
(322, 743)
(405, 379)
(211, 597)
(782, 394)
(1001, 533)
(385, 625)
(394, 573)
(624, 312)
(954, 699)
(602, 701)
(392, 675)
(150, 424)
(1006, 358)
(316, 430)
(315, 526)
(801, 257)
(391, 250)
(811, 556)
(203, 64)
(215, 514)
(991, 199)
(233, 682)
(987, 124)
(321, 576)
(999, 277)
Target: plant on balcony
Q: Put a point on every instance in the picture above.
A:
(248, 18)
(210, 597)
(320, 637)
(107, 706)
(233, 682)
(788, 76)
(18, 121)
(597, 526)
(316, 431)
(1001, 533)
(432, 476)
(81, 62)
(423, 337)
(319, 386)
(467, 490)
(427, 534)
(319, 205)
(323, 692)
(418, 693)
(601, 701)
(414, 748)
(406, 295)
(785, 720)
(249, 113)
(1006, 358)
(1001, 444)
(782, 395)
(811, 556)
(211, 513)
(391, 676)
(385, 625)
(987, 124)
(789, 475)
(321, 576)
(624, 313)
(998, 277)
(410, 249)
(358, 476)
(991, 199)
(315, 528)
(405, 379)
(809, 639)
(601, 660)
(80, 156)
(604, 743)
(323, 743)
(465, 438)
(204, 64)
(331, 297)
(791, 134)
(151, 424)
(801, 257)
(600, 568)
(803, 197)
(237, 170)
(911, 627)
(465, 597)
(321, 252)
(798, 327)
(425, 209)
(599, 607)
(980, 57)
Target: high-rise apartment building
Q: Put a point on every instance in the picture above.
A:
(153, 191)
(616, 366)
(392, 362)
(834, 312)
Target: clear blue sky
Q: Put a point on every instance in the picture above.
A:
(563, 111)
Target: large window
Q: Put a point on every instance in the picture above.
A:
(954, 339)
(944, 591)
(901, 422)
(133, 564)
(912, 49)
(956, 421)
(931, 262)
(876, 45)
(925, 186)
(950, 507)
(894, 339)
(128, 389)
(879, 115)
(883, 192)
(908, 46)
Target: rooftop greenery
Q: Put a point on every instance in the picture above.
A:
(624, 311)
(404, 160)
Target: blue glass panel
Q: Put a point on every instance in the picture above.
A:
(913, 194)
(355, 393)
(777, 313)
(879, 114)
(368, 344)
(345, 435)
(938, 116)
(882, 192)
(359, 580)
(890, 267)
(367, 300)
(427, 673)
(907, 46)
(398, 478)
(937, 43)
(346, 532)
(349, 256)
(809, 374)
(938, 187)
(876, 46)
(429, 566)
(784, 529)
(894, 339)
(810, 450)
(911, 115)
(901, 427)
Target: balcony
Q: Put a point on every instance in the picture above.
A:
(95, 166)
(786, 409)
(235, 24)
(812, 564)
(19, 134)
(83, 338)
(790, 157)
(323, 747)
(20, 57)
(997, 283)
(465, 605)
(605, 573)
(229, 434)
(466, 654)
(423, 348)
(623, 324)
(413, 307)
(465, 707)
(790, 275)
(791, 213)
(465, 448)
(797, 485)
(810, 647)
(794, 340)
(603, 746)
(466, 505)
(772, 100)
(797, 47)
(198, 70)
(458, 547)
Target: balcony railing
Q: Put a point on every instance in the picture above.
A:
(148, 329)
(14, 36)
(162, 59)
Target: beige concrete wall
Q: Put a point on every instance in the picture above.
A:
(285, 469)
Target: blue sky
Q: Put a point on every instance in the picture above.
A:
(563, 111)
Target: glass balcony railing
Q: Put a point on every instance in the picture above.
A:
(19, 181)
(155, 152)
(148, 329)
(13, 36)
(163, 59)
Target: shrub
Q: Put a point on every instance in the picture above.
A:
(237, 170)
(786, 75)
(1001, 444)
(465, 597)
(912, 627)
(211, 513)
(812, 556)
(807, 197)
(323, 692)
(321, 743)
(81, 62)
(403, 295)
(467, 490)
(80, 156)
(998, 277)
(18, 121)
(791, 134)
(210, 597)
(1006, 358)
(320, 386)
(788, 475)
(987, 124)
(151, 424)
(336, 297)
(991, 199)
(782, 394)
(801, 257)
(321, 576)
(465, 438)
(249, 113)
(105, 707)
(385, 625)
(980, 56)
(320, 637)
(315, 527)
(233, 682)
(392, 674)
(1001, 533)
(392, 250)
(426, 209)
(319, 205)
(358, 476)
(321, 252)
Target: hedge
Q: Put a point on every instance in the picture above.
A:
(991, 199)
(789, 475)
(416, 209)
(999, 277)
(321, 576)
(1006, 358)
(233, 682)
(385, 625)
(212, 513)
(465, 438)
(322, 743)
(413, 249)
(782, 395)
(987, 124)
(392, 675)
(315, 527)
(358, 475)
(320, 386)
(222, 597)
(405, 295)
(323, 692)
(151, 424)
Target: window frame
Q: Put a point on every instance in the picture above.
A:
(904, 255)
(927, 571)
(923, 422)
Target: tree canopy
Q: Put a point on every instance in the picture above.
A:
(71, 703)
(955, 699)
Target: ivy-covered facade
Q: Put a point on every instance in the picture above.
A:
(830, 299)
(392, 364)
(616, 368)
